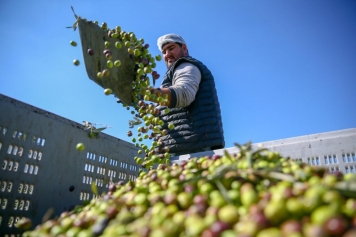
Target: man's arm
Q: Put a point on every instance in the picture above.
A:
(185, 84)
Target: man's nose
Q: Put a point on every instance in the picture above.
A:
(168, 53)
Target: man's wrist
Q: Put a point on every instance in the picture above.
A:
(156, 91)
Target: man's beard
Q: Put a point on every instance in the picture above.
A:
(169, 65)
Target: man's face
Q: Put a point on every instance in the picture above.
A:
(172, 52)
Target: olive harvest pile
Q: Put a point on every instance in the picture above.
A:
(144, 100)
(252, 193)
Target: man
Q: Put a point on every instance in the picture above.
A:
(192, 99)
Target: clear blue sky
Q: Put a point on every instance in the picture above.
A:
(282, 68)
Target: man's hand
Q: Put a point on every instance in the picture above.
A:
(163, 93)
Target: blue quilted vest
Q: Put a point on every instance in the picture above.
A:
(198, 125)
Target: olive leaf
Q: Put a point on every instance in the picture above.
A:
(347, 188)
(48, 214)
(223, 191)
(94, 189)
(77, 18)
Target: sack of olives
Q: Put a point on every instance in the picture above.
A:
(107, 60)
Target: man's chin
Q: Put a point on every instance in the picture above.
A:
(169, 65)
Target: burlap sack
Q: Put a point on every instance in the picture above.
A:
(120, 79)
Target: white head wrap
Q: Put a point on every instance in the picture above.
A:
(168, 38)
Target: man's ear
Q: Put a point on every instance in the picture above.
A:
(185, 50)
